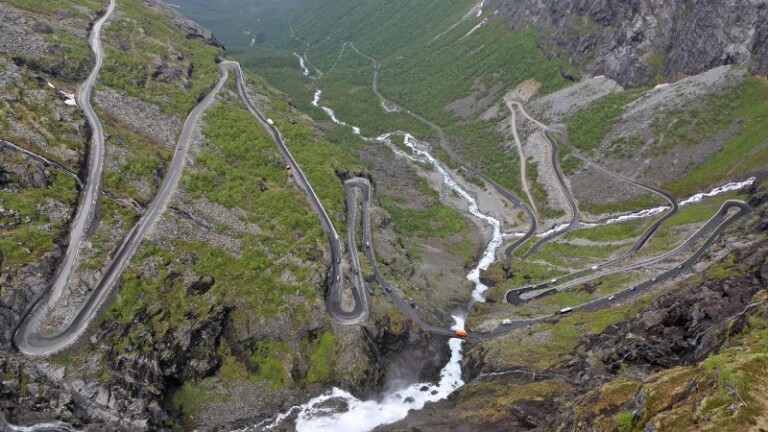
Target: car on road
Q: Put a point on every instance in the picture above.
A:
(564, 310)
(506, 321)
(681, 266)
(594, 267)
(338, 260)
(387, 288)
(367, 244)
(654, 279)
(270, 123)
(611, 298)
(553, 281)
(632, 288)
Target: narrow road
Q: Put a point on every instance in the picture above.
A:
(335, 281)
(46, 300)
(714, 227)
(28, 338)
(574, 223)
(521, 155)
(711, 228)
(364, 187)
(512, 296)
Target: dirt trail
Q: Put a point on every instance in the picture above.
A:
(519, 144)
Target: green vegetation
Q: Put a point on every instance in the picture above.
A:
(639, 202)
(570, 255)
(743, 151)
(140, 172)
(322, 358)
(137, 41)
(588, 127)
(421, 69)
(29, 241)
(36, 112)
(262, 273)
(434, 221)
(544, 345)
(624, 421)
(58, 6)
(671, 233)
(611, 232)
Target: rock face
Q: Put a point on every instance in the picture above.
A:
(680, 327)
(635, 41)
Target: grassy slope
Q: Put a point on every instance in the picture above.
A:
(33, 106)
(240, 156)
(136, 41)
(746, 150)
(418, 71)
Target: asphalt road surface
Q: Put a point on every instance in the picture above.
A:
(47, 299)
(28, 337)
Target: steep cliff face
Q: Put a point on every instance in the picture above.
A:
(636, 41)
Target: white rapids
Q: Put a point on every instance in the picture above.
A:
(728, 187)
(316, 102)
(303, 66)
(363, 416)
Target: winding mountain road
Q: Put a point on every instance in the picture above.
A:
(28, 337)
(335, 276)
(714, 227)
(46, 300)
(30, 340)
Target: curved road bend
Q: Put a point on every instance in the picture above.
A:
(714, 225)
(744, 209)
(364, 187)
(521, 155)
(574, 223)
(335, 274)
(46, 300)
(665, 195)
(28, 337)
(512, 295)
(717, 220)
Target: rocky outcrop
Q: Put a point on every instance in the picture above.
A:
(635, 41)
(190, 28)
(37, 50)
(680, 327)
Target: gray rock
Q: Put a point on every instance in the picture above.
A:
(634, 41)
